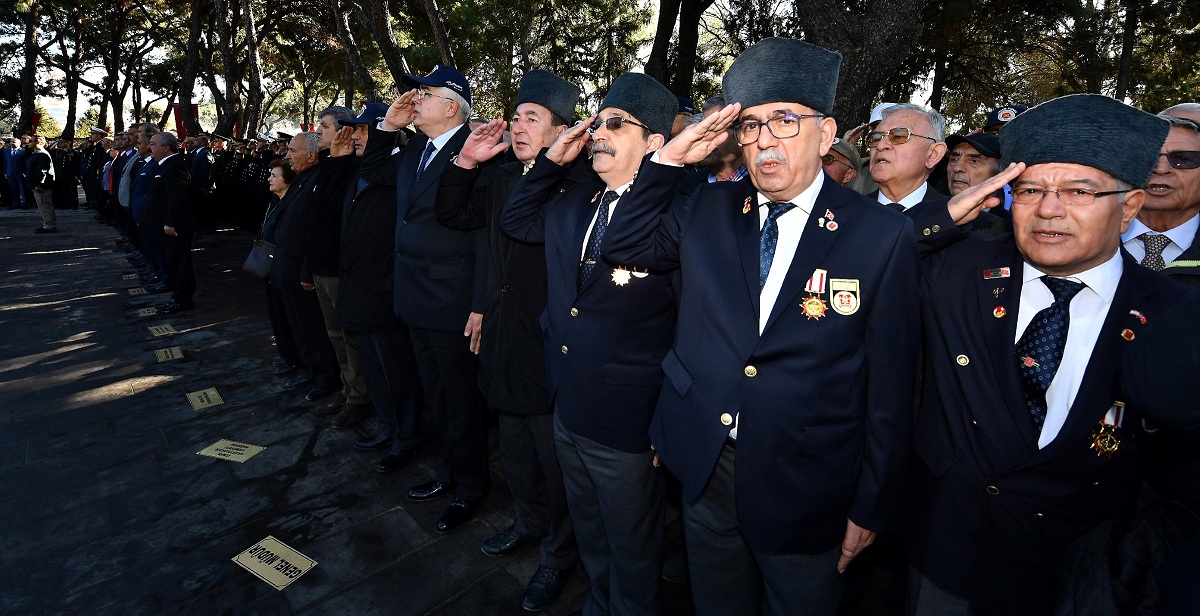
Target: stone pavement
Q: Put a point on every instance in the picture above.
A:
(106, 506)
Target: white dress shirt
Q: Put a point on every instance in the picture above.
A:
(910, 199)
(612, 207)
(1181, 239)
(1088, 310)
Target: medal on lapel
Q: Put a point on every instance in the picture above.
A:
(620, 276)
(814, 307)
(746, 206)
(1104, 440)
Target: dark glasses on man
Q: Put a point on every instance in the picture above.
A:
(1182, 159)
(897, 136)
(613, 124)
(830, 159)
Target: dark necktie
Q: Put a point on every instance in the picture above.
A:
(591, 254)
(425, 156)
(896, 206)
(769, 239)
(1040, 349)
(1154, 243)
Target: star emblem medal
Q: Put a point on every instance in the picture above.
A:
(814, 307)
(746, 206)
(620, 276)
(1104, 441)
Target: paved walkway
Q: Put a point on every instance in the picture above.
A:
(107, 508)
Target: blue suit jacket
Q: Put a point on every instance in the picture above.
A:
(603, 342)
(139, 205)
(825, 403)
(988, 512)
(435, 267)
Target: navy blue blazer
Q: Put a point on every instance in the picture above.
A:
(604, 342)
(436, 268)
(287, 267)
(988, 513)
(825, 402)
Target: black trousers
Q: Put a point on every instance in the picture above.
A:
(180, 277)
(535, 481)
(450, 376)
(308, 331)
(389, 368)
(284, 342)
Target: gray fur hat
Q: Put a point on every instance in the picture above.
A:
(647, 100)
(778, 70)
(1087, 129)
(550, 91)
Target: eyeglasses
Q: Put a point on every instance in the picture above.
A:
(830, 159)
(423, 94)
(613, 124)
(1182, 159)
(898, 136)
(1027, 195)
(784, 126)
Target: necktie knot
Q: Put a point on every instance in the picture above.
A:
(1063, 289)
(775, 209)
(1155, 244)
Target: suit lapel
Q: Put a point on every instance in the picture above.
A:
(749, 235)
(433, 170)
(1003, 296)
(582, 224)
(815, 243)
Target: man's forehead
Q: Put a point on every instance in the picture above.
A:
(969, 150)
(1064, 173)
(530, 108)
(1182, 137)
(767, 110)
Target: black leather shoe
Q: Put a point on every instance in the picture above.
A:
(173, 307)
(458, 513)
(504, 543)
(320, 391)
(371, 443)
(394, 461)
(332, 405)
(350, 414)
(300, 380)
(41, 230)
(543, 587)
(284, 369)
(429, 490)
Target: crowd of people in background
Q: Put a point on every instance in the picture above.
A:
(946, 346)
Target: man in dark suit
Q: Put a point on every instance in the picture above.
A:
(794, 359)
(166, 197)
(606, 330)
(1023, 442)
(434, 276)
(14, 171)
(200, 162)
(512, 371)
(905, 147)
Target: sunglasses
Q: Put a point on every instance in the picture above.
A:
(830, 159)
(613, 124)
(898, 136)
(1182, 159)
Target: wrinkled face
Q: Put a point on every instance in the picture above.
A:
(298, 156)
(840, 168)
(966, 167)
(618, 153)
(327, 128)
(1060, 239)
(359, 137)
(276, 182)
(434, 108)
(532, 129)
(1175, 190)
(891, 162)
(157, 149)
(783, 168)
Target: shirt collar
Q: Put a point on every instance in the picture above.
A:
(1182, 235)
(1102, 279)
(166, 158)
(805, 200)
(910, 199)
(440, 141)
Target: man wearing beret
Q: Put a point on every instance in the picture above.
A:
(434, 276)
(787, 404)
(1023, 442)
(512, 371)
(973, 159)
(606, 331)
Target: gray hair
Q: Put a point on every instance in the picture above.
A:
(150, 128)
(310, 142)
(464, 108)
(1178, 122)
(1185, 107)
(338, 112)
(713, 101)
(169, 141)
(936, 122)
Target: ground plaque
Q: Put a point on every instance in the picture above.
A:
(123, 262)
(274, 563)
(147, 312)
(129, 277)
(204, 398)
(233, 451)
(169, 354)
(137, 291)
(161, 330)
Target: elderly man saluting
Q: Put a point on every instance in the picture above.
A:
(787, 404)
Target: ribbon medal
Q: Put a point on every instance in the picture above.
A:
(620, 276)
(814, 307)
(1104, 441)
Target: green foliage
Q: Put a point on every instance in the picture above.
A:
(87, 121)
(48, 126)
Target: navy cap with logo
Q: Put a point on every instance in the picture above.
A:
(984, 143)
(371, 113)
(442, 77)
(685, 105)
(1004, 115)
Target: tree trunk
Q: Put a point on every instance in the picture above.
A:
(254, 96)
(191, 67)
(941, 66)
(29, 69)
(690, 14)
(353, 57)
(658, 64)
(1127, 44)
(374, 16)
(228, 106)
(873, 44)
(438, 24)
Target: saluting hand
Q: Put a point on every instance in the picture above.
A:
(966, 205)
(342, 144)
(699, 140)
(483, 144)
(401, 113)
(570, 143)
